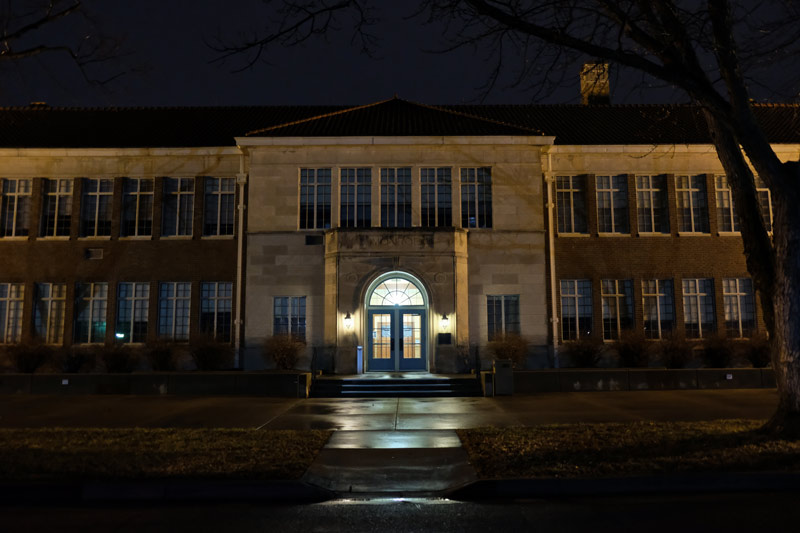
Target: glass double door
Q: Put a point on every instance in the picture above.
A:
(396, 340)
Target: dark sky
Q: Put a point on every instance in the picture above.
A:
(171, 63)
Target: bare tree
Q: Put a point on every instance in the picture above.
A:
(32, 28)
(719, 53)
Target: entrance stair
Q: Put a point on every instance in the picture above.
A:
(396, 385)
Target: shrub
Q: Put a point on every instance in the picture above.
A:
(675, 351)
(283, 350)
(717, 352)
(161, 356)
(584, 353)
(120, 359)
(633, 350)
(77, 359)
(509, 346)
(27, 358)
(209, 355)
(757, 351)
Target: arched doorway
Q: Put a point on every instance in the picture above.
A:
(397, 324)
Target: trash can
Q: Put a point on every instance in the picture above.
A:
(503, 377)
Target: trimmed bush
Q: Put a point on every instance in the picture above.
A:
(209, 355)
(757, 351)
(584, 353)
(161, 356)
(675, 351)
(717, 352)
(77, 359)
(283, 350)
(509, 346)
(27, 358)
(120, 359)
(633, 350)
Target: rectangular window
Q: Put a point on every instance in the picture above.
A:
(356, 198)
(658, 308)
(178, 206)
(132, 306)
(726, 213)
(740, 308)
(173, 310)
(219, 207)
(437, 197)
(571, 204)
(137, 207)
(698, 307)
(90, 312)
(396, 197)
(651, 204)
(289, 316)
(50, 302)
(503, 314)
(12, 296)
(315, 198)
(96, 201)
(56, 207)
(612, 204)
(691, 204)
(215, 310)
(576, 309)
(15, 207)
(764, 202)
(617, 300)
(476, 197)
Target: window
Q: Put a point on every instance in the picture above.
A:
(612, 204)
(137, 207)
(576, 308)
(726, 213)
(651, 204)
(290, 316)
(132, 306)
(173, 310)
(691, 203)
(315, 198)
(12, 296)
(50, 300)
(396, 197)
(437, 197)
(90, 312)
(764, 202)
(476, 197)
(503, 314)
(356, 198)
(96, 207)
(219, 206)
(658, 308)
(215, 310)
(15, 208)
(740, 309)
(698, 307)
(617, 300)
(56, 207)
(571, 204)
(178, 206)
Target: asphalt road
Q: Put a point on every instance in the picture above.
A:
(775, 512)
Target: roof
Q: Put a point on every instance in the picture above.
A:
(46, 127)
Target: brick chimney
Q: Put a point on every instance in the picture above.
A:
(594, 83)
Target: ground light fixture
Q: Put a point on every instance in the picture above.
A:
(348, 321)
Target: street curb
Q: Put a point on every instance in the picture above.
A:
(509, 489)
(162, 490)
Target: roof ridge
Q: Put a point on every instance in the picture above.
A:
(476, 117)
(317, 117)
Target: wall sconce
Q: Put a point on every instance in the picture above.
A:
(444, 322)
(348, 321)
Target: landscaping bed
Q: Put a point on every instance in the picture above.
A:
(627, 449)
(139, 453)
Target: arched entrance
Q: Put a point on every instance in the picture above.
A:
(397, 324)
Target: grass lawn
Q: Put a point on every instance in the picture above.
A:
(138, 453)
(626, 449)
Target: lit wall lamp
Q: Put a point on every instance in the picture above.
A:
(348, 321)
(444, 322)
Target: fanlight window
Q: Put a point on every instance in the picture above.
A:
(396, 291)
